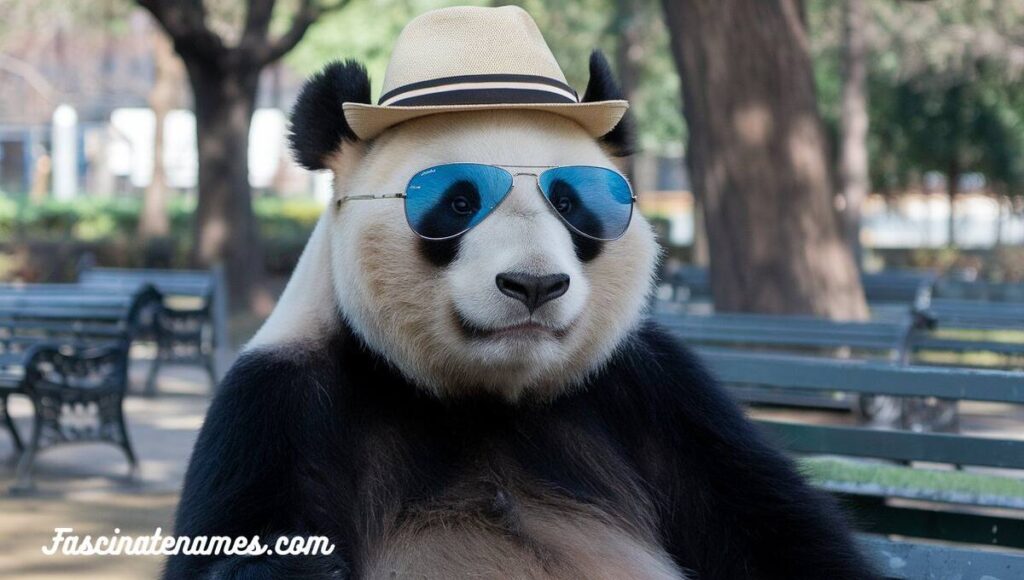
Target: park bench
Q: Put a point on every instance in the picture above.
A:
(889, 339)
(965, 327)
(888, 292)
(798, 334)
(71, 361)
(970, 507)
(690, 284)
(983, 290)
(193, 323)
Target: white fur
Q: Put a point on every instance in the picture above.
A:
(404, 307)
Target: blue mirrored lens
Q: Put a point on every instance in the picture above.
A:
(447, 200)
(597, 202)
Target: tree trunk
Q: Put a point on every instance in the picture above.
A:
(154, 221)
(853, 155)
(701, 255)
(757, 157)
(225, 228)
(629, 52)
(1000, 217)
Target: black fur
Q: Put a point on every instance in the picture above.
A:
(621, 140)
(318, 121)
(586, 248)
(319, 442)
(440, 253)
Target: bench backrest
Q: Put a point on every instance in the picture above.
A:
(788, 372)
(27, 317)
(792, 333)
(955, 313)
(881, 378)
(900, 286)
(979, 290)
(199, 283)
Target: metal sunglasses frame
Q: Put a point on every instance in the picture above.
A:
(514, 173)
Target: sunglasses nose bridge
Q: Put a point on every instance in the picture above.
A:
(536, 181)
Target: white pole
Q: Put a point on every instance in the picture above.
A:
(65, 153)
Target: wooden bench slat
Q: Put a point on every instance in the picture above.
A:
(898, 445)
(869, 377)
(878, 516)
(913, 561)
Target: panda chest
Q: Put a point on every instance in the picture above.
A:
(508, 534)
(483, 509)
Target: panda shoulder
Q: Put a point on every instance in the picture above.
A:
(657, 358)
(273, 387)
(662, 376)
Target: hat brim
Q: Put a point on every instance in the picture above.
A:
(597, 118)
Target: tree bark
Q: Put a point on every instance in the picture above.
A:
(853, 154)
(224, 81)
(701, 255)
(757, 158)
(628, 56)
(154, 222)
(225, 229)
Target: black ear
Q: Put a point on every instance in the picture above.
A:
(318, 122)
(602, 87)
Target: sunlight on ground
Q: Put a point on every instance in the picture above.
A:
(85, 487)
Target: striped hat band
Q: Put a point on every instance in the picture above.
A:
(480, 89)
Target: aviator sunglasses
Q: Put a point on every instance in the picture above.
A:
(446, 201)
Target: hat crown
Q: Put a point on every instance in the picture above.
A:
(469, 40)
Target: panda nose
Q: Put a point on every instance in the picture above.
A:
(533, 291)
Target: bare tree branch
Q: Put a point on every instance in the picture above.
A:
(185, 22)
(30, 75)
(257, 24)
(306, 15)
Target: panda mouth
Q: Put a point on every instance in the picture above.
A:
(522, 329)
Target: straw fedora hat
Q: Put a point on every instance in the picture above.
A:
(471, 58)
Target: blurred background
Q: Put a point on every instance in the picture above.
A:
(919, 107)
(854, 165)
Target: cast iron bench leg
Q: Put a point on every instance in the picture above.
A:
(23, 476)
(154, 369)
(210, 369)
(125, 443)
(19, 447)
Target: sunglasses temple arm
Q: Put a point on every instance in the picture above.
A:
(342, 200)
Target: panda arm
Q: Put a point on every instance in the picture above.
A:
(255, 469)
(733, 506)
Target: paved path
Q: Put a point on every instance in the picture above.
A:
(84, 487)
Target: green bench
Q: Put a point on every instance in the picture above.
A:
(979, 290)
(805, 335)
(888, 292)
(192, 327)
(989, 511)
(71, 361)
(963, 327)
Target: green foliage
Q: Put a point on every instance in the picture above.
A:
(946, 87)
(109, 225)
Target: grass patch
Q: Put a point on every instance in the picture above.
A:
(823, 470)
(981, 334)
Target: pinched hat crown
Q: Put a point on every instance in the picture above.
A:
(471, 58)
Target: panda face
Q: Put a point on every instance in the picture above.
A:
(517, 305)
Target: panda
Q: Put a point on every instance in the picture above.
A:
(432, 424)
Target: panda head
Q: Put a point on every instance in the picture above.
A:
(518, 305)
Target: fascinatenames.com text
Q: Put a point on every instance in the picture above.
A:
(67, 543)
